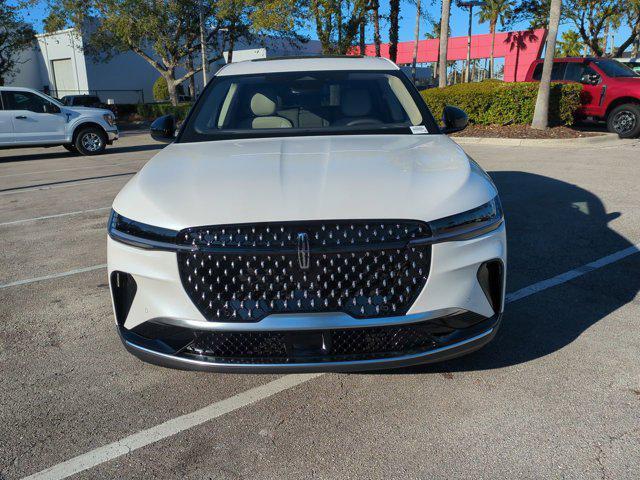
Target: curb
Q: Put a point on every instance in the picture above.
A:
(600, 139)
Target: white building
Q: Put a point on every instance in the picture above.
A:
(59, 66)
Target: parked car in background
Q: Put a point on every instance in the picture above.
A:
(31, 118)
(92, 101)
(611, 90)
(309, 215)
(632, 63)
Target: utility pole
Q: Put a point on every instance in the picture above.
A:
(203, 47)
(469, 4)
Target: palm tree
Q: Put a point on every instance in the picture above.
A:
(394, 17)
(444, 40)
(374, 6)
(541, 113)
(416, 40)
(494, 11)
(570, 45)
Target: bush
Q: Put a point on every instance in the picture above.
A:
(151, 111)
(160, 90)
(500, 103)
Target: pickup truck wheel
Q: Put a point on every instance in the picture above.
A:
(90, 141)
(625, 120)
(71, 147)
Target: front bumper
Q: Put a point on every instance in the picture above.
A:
(452, 287)
(112, 136)
(458, 343)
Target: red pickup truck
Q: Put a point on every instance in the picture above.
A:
(611, 90)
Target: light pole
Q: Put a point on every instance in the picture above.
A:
(469, 4)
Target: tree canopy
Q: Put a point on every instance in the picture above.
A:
(15, 36)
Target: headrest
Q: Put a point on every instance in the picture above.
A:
(355, 103)
(263, 103)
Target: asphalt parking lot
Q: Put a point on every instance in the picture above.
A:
(556, 395)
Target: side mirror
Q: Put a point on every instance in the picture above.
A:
(51, 108)
(454, 120)
(163, 129)
(590, 79)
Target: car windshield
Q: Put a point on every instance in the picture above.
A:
(615, 69)
(307, 103)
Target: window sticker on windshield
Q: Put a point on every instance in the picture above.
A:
(418, 129)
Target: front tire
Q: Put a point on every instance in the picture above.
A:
(625, 120)
(90, 141)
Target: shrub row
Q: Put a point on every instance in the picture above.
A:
(151, 111)
(500, 103)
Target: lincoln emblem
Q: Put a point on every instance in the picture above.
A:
(304, 255)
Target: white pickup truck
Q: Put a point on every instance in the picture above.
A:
(31, 118)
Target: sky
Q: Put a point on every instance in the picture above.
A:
(459, 21)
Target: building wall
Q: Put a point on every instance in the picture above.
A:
(64, 44)
(518, 48)
(126, 78)
(27, 73)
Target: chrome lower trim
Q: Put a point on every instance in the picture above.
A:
(438, 354)
(306, 321)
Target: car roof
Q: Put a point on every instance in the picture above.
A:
(307, 64)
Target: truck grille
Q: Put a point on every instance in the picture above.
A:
(245, 272)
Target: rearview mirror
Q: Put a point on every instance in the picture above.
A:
(163, 129)
(454, 120)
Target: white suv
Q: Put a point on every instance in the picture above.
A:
(31, 118)
(309, 215)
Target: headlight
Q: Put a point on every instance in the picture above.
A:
(139, 234)
(469, 224)
(110, 119)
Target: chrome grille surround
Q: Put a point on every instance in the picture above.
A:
(365, 268)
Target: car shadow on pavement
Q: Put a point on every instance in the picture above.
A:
(58, 152)
(552, 227)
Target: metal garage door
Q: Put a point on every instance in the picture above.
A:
(63, 77)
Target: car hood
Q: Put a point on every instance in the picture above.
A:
(88, 110)
(304, 178)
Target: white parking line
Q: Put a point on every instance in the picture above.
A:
(52, 276)
(571, 274)
(179, 424)
(37, 172)
(57, 215)
(78, 183)
(170, 428)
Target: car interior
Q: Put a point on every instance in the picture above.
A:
(308, 102)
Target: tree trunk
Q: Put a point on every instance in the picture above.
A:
(416, 33)
(376, 26)
(363, 22)
(232, 41)
(606, 38)
(444, 41)
(172, 87)
(492, 30)
(1, 81)
(394, 14)
(636, 48)
(541, 113)
(192, 78)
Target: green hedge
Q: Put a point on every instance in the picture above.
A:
(500, 103)
(154, 110)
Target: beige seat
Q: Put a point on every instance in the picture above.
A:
(263, 108)
(356, 106)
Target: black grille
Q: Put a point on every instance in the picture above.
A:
(327, 345)
(246, 272)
